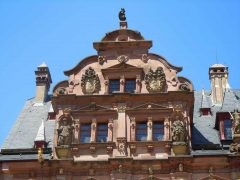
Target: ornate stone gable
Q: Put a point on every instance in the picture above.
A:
(155, 80)
(90, 82)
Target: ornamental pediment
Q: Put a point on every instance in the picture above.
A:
(150, 106)
(93, 107)
(122, 67)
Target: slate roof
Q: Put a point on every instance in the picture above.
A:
(230, 101)
(25, 129)
(204, 132)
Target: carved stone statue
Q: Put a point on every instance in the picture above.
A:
(178, 131)
(155, 80)
(234, 147)
(236, 121)
(121, 15)
(90, 82)
(65, 133)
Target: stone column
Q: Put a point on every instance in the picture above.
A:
(166, 129)
(76, 137)
(106, 83)
(93, 130)
(133, 129)
(138, 84)
(122, 84)
(110, 130)
(149, 129)
(121, 132)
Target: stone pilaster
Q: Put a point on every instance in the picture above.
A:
(93, 130)
(138, 84)
(122, 84)
(166, 129)
(133, 129)
(110, 130)
(76, 137)
(149, 129)
(106, 83)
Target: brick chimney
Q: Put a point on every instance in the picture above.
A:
(218, 75)
(43, 81)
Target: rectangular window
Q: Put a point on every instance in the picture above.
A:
(141, 131)
(85, 133)
(114, 85)
(228, 129)
(102, 132)
(130, 85)
(158, 131)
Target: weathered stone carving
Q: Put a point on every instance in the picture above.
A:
(72, 84)
(155, 80)
(101, 60)
(178, 131)
(122, 58)
(121, 15)
(64, 133)
(184, 87)
(122, 146)
(236, 122)
(90, 82)
(234, 147)
(145, 58)
(60, 91)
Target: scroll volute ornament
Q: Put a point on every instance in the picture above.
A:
(155, 80)
(90, 82)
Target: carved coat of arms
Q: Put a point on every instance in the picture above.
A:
(90, 82)
(155, 80)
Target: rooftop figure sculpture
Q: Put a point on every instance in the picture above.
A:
(121, 15)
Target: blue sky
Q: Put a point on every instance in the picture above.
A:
(191, 34)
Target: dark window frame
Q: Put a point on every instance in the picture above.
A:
(158, 131)
(85, 132)
(102, 132)
(130, 85)
(114, 85)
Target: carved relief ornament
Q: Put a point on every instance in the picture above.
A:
(122, 59)
(60, 91)
(90, 82)
(178, 131)
(101, 60)
(155, 80)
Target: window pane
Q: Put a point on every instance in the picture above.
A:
(228, 129)
(141, 131)
(158, 131)
(102, 132)
(85, 133)
(130, 85)
(114, 85)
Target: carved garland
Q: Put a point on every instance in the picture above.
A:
(90, 82)
(155, 80)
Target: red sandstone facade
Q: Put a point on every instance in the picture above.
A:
(122, 114)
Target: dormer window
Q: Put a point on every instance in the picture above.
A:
(227, 123)
(205, 112)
